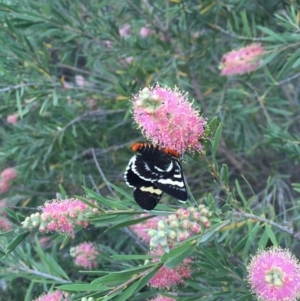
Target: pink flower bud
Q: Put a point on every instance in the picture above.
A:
(124, 31)
(145, 32)
(8, 174)
(195, 228)
(185, 224)
(12, 119)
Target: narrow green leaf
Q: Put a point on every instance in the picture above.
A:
(82, 287)
(128, 223)
(29, 292)
(252, 234)
(239, 190)
(270, 75)
(211, 127)
(128, 292)
(176, 260)
(19, 104)
(225, 208)
(224, 174)
(240, 245)
(16, 242)
(146, 278)
(246, 27)
(275, 36)
(280, 111)
(105, 201)
(175, 252)
(63, 193)
(115, 278)
(65, 241)
(131, 257)
(15, 215)
(216, 140)
(271, 234)
(263, 240)
(121, 191)
(44, 106)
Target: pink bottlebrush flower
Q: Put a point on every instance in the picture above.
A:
(53, 296)
(241, 61)
(145, 32)
(166, 278)
(5, 225)
(63, 215)
(274, 275)
(142, 229)
(4, 186)
(9, 174)
(162, 298)
(85, 255)
(168, 119)
(12, 119)
(60, 216)
(124, 31)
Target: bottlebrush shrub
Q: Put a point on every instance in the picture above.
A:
(76, 72)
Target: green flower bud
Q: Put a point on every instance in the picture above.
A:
(171, 234)
(161, 234)
(152, 232)
(161, 225)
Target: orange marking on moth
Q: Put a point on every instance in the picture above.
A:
(135, 147)
(171, 152)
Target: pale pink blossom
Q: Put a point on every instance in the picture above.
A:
(162, 298)
(142, 228)
(4, 186)
(3, 204)
(145, 32)
(274, 275)
(125, 30)
(44, 241)
(241, 61)
(53, 296)
(66, 85)
(168, 119)
(166, 278)
(5, 225)
(108, 44)
(85, 255)
(80, 81)
(8, 174)
(12, 119)
(126, 61)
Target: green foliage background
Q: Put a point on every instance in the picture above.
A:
(60, 137)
